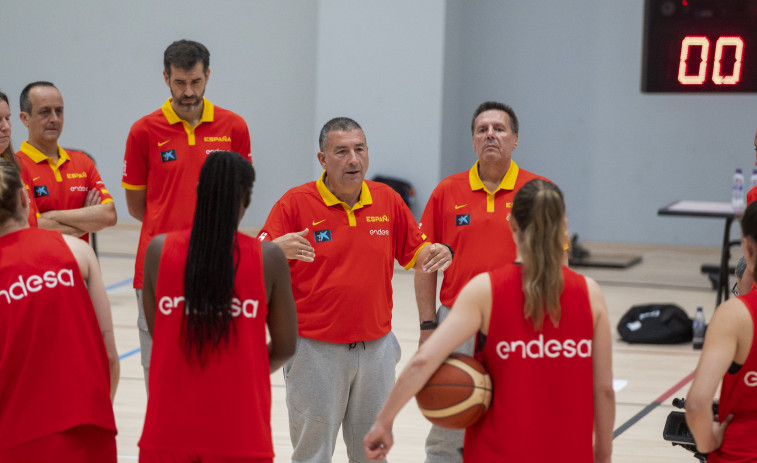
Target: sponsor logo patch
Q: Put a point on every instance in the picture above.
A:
(40, 191)
(322, 236)
(167, 156)
(462, 219)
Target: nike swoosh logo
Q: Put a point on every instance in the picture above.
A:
(458, 207)
(316, 223)
(34, 179)
(161, 143)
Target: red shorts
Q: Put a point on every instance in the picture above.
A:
(81, 443)
(166, 456)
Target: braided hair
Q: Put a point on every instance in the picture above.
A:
(225, 186)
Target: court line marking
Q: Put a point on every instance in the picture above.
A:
(129, 354)
(658, 401)
(119, 284)
(111, 288)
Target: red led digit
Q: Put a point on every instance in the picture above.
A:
(735, 77)
(688, 42)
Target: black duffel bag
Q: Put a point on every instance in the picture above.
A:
(655, 324)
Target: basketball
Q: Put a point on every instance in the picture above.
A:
(457, 394)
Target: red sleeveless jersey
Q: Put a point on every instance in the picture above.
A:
(224, 407)
(738, 395)
(542, 409)
(54, 372)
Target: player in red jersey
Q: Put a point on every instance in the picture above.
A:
(58, 361)
(7, 153)
(67, 188)
(544, 337)
(730, 354)
(209, 294)
(165, 151)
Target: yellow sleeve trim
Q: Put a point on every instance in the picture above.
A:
(109, 200)
(133, 187)
(411, 264)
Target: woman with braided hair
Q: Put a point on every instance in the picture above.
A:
(209, 294)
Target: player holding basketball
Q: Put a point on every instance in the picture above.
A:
(209, 294)
(165, 151)
(341, 275)
(469, 211)
(729, 354)
(58, 361)
(565, 384)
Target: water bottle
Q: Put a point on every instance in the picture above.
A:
(737, 191)
(698, 326)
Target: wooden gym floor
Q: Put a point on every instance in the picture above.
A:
(647, 376)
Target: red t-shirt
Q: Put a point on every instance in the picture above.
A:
(464, 215)
(542, 410)
(164, 156)
(345, 295)
(54, 372)
(738, 396)
(223, 408)
(62, 185)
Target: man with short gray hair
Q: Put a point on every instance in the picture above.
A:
(342, 234)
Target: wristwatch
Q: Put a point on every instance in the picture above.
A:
(428, 325)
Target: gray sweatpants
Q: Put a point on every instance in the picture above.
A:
(329, 385)
(444, 445)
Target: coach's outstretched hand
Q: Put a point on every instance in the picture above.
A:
(296, 246)
(378, 441)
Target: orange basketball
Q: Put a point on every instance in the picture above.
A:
(458, 394)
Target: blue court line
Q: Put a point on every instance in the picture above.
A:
(129, 354)
(125, 282)
(119, 284)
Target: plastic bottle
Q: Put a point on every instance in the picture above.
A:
(737, 191)
(753, 179)
(698, 326)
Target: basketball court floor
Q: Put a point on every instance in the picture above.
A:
(647, 377)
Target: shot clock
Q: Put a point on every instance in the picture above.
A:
(700, 46)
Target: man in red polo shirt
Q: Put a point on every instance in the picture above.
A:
(165, 151)
(470, 212)
(66, 186)
(342, 234)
